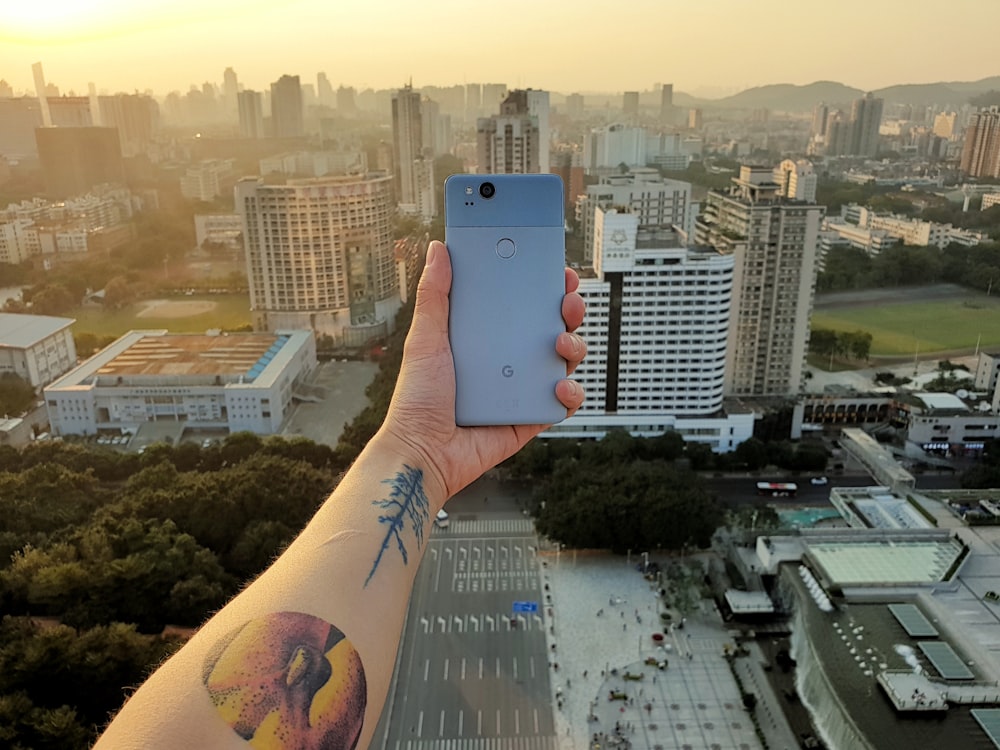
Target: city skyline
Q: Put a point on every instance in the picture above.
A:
(562, 47)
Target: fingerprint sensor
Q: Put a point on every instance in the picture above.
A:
(506, 248)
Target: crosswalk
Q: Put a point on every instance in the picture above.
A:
(488, 526)
(528, 742)
(484, 622)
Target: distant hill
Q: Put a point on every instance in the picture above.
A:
(787, 97)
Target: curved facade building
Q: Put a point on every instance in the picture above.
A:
(319, 255)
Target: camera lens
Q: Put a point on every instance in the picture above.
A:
(487, 190)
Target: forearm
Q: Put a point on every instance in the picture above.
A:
(306, 652)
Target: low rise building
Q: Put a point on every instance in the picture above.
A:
(38, 348)
(235, 382)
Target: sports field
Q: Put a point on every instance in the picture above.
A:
(183, 314)
(902, 328)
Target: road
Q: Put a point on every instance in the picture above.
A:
(734, 491)
(472, 675)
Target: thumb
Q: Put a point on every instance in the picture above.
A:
(430, 314)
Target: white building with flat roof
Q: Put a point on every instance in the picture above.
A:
(38, 348)
(656, 329)
(239, 382)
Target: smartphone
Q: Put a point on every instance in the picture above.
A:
(506, 238)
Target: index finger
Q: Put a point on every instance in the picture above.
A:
(572, 281)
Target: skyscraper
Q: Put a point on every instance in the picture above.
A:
(538, 107)
(251, 111)
(230, 88)
(630, 104)
(320, 255)
(667, 103)
(137, 118)
(981, 151)
(286, 108)
(324, 90)
(413, 170)
(866, 118)
(774, 241)
(820, 113)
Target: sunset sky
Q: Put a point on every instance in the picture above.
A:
(704, 47)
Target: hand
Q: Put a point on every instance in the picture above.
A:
(422, 412)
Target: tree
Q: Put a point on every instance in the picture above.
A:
(16, 394)
(118, 292)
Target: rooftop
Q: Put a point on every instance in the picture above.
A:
(182, 354)
(21, 331)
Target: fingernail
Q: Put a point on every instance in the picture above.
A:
(576, 343)
(432, 251)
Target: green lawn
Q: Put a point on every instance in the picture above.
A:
(231, 311)
(936, 326)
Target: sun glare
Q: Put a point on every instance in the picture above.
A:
(62, 20)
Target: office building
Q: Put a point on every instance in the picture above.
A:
(946, 125)
(235, 382)
(656, 202)
(319, 255)
(324, 90)
(251, 114)
(509, 143)
(775, 244)
(219, 230)
(538, 107)
(71, 112)
(287, 111)
(981, 151)
(208, 179)
(607, 148)
(656, 329)
(695, 119)
(230, 88)
(473, 100)
(36, 348)
(346, 103)
(493, 96)
(796, 180)
(76, 159)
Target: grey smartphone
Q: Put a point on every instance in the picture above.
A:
(506, 238)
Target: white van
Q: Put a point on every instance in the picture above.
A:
(441, 520)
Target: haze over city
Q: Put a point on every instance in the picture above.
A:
(710, 48)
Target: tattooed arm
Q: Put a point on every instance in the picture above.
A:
(303, 657)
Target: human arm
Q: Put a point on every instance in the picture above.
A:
(304, 655)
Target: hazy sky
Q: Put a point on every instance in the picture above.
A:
(559, 45)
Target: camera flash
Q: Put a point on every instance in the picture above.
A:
(468, 190)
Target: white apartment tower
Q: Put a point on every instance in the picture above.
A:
(775, 244)
(657, 202)
(656, 330)
(251, 113)
(796, 180)
(319, 255)
(511, 142)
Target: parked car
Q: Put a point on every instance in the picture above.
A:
(819, 481)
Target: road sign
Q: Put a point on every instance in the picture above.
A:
(529, 607)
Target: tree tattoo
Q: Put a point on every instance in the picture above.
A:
(406, 504)
(288, 681)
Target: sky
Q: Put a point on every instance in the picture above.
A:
(704, 47)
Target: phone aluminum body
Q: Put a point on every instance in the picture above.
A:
(506, 239)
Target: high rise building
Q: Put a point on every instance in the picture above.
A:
(509, 143)
(286, 108)
(820, 113)
(320, 255)
(981, 151)
(866, 118)
(324, 90)
(657, 323)
(656, 203)
(695, 119)
(75, 159)
(473, 100)
(413, 166)
(667, 103)
(346, 104)
(230, 88)
(574, 105)
(775, 243)
(137, 118)
(946, 125)
(538, 107)
(630, 104)
(493, 96)
(251, 111)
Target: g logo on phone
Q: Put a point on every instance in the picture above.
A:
(507, 371)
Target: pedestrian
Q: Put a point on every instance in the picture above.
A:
(567, 683)
(585, 674)
(624, 626)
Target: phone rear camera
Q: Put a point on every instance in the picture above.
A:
(487, 190)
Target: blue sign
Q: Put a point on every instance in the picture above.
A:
(530, 607)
